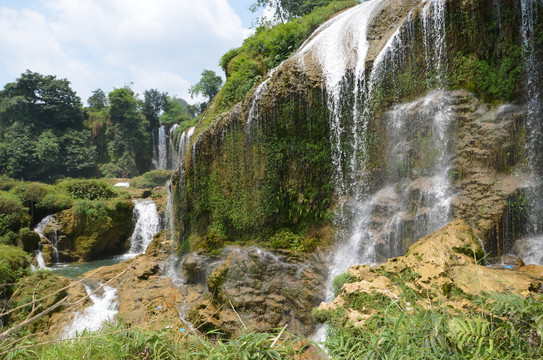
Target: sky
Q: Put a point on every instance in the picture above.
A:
(107, 44)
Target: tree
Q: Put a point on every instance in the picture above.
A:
(209, 85)
(285, 10)
(98, 100)
(42, 101)
(154, 102)
(129, 144)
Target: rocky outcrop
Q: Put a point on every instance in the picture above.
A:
(83, 236)
(251, 287)
(442, 269)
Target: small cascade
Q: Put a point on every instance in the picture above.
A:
(184, 143)
(172, 153)
(40, 230)
(162, 148)
(104, 308)
(147, 225)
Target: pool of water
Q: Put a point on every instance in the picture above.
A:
(74, 270)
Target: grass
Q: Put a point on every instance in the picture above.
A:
(122, 342)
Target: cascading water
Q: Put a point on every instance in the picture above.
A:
(162, 148)
(530, 248)
(147, 225)
(372, 231)
(172, 153)
(104, 308)
(40, 230)
(184, 143)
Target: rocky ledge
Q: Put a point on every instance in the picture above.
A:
(443, 269)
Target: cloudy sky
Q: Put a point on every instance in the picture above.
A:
(162, 44)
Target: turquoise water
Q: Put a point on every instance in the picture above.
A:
(74, 270)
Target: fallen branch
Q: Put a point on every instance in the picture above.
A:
(242, 323)
(6, 333)
(279, 336)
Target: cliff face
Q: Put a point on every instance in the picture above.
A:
(394, 118)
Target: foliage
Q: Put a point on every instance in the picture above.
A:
(178, 111)
(285, 239)
(42, 101)
(12, 213)
(129, 136)
(13, 265)
(342, 279)
(98, 100)
(506, 326)
(208, 86)
(289, 9)
(123, 342)
(151, 179)
(154, 102)
(267, 48)
(89, 189)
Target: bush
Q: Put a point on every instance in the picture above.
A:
(89, 189)
(151, 179)
(13, 264)
(12, 214)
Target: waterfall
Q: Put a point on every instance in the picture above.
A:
(530, 248)
(433, 27)
(172, 153)
(162, 149)
(40, 230)
(147, 222)
(104, 308)
(184, 143)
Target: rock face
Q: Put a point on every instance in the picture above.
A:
(266, 290)
(323, 133)
(442, 268)
(80, 237)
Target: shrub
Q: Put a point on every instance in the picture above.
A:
(12, 213)
(89, 189)
(13, 264)
(151, 179)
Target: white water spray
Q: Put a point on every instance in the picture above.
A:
(104, 308)
(147, 225)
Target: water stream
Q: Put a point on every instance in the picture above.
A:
(104, 308)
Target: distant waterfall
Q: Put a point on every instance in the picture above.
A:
(172, 153)
(147, 224)
(162, 148)
(104, 308)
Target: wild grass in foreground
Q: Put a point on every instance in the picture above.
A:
(121, 342)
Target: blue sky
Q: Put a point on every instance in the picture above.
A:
(162, 44)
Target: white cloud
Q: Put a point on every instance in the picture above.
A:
(163, 44)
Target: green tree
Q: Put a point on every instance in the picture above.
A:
(154, 102)
(79, 153)
(209, 85)
(43, 101)
(129, 145)
(48, 150)
(285, 10)
(98, 100)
